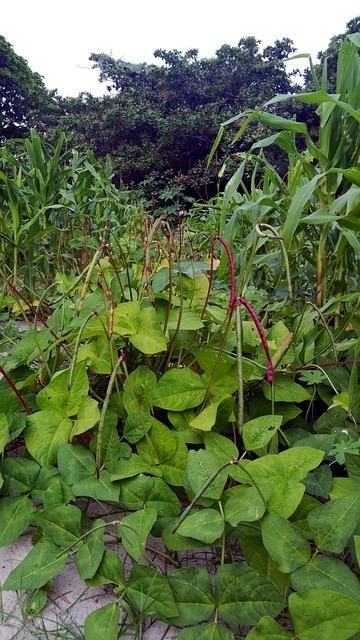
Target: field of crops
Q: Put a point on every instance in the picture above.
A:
(179, 414)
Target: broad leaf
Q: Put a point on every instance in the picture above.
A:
(284, 542)
(134, 530)
(244, 597)
(333, 523)
(209, 631)
(327, 573)
(75, 463)
(200, 466)
(102, 623)
(324, 615)
(151, 594)
(179, 389)
(257, 433)
(243, 504)
(268, 629)
(15, 517)
(110, 571)
(61, 524)
(193, 594)
(206, 525)
(45, 432)
(40, 565)
(91, 551)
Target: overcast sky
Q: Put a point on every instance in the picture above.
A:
(57, 38)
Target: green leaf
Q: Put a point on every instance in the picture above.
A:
(324, 615)
(286, 390)
(100, 488)
(286, 496)
(87, 416)
(333, 523)
(102, 623)
(57, 397)
(75, 463)
(209, 631)
(132, 466)
(200, 466)
(39, 566)
(284, 542)
(36, 602)
(161, 498)
(15, 517)
(136, 491)
(179, 389)
(294, 464)
(151, 594)
(134, 530)
(165, 449)
(4, 431)
(61, 524)
(318, 482)
(20, 474)
(326, 573)
(243, 596)
(45, 432)
(298, 202)
(110, 571)
(91, 551)
(175, 542)
(208, 417)
(193, 595)
(258, 432)
(149, 338)
(138, 390)
(206, 525)
(268, 629)
(136, 426)
(243, 504)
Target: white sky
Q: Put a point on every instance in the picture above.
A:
(56, 38)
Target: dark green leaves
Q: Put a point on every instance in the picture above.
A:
(284, 543)
(151, 594)
(333, 523)
(179, 389)
(324, 615)
(91, 551)
(15, 516)
(61, 524)
(102, 623)
(243, 596)
(205, 525)
(193, 594)
(43, 562)
(134, 530)
(258, 432)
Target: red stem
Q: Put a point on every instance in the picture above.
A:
(270, 369)
(19, 395)
(232, 298)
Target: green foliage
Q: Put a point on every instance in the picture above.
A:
(138, 385)
(24, 98)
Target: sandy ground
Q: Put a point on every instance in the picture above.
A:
(69, 603)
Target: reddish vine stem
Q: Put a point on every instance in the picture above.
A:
(270, 369)
(331, 363)
(19, 395)
(232, 297)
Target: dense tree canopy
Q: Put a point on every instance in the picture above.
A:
(158, 121)
(24, 99)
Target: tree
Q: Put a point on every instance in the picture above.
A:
(159, 121)
(24, 98)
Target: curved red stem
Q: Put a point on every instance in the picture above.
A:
(19, 395)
